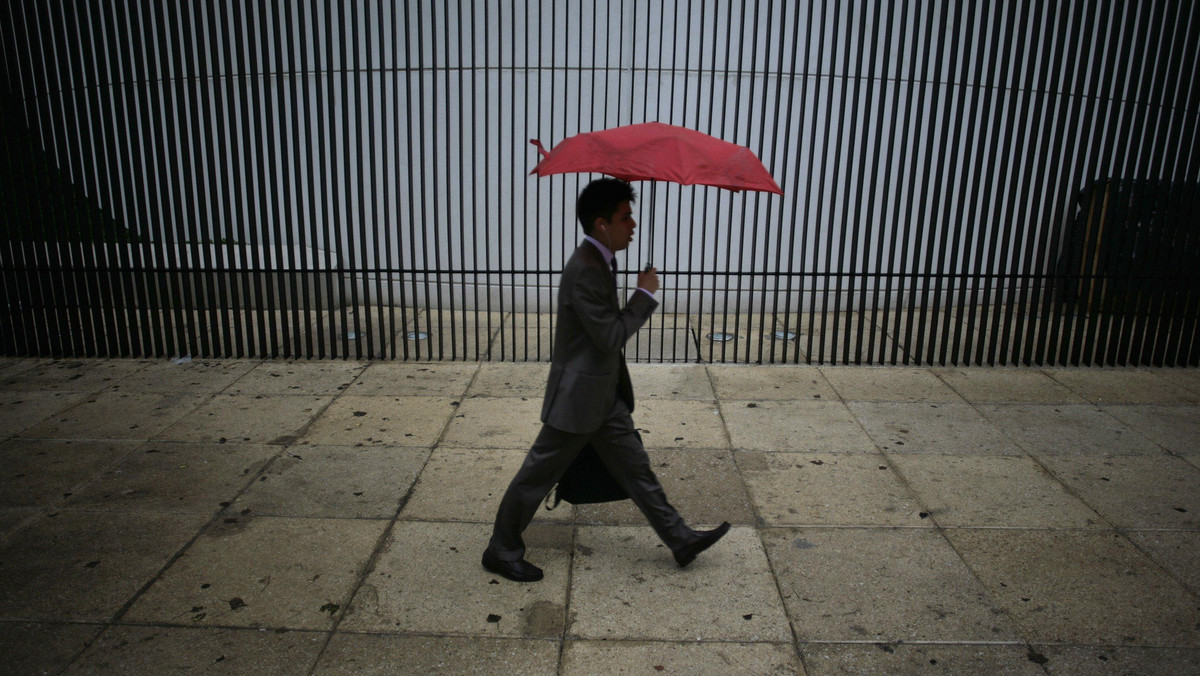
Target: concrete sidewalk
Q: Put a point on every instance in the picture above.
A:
(328, 517)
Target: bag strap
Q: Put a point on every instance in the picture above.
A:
(553, 494)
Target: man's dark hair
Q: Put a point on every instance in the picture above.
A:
(600, 199)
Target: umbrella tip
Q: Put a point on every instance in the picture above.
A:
(541, 148)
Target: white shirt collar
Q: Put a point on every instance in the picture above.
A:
(608, 255)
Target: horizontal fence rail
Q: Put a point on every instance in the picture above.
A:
(963, 183)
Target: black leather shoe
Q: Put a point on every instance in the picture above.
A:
(707, 539)
(517, 571)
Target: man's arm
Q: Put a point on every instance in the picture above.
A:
(608, 328)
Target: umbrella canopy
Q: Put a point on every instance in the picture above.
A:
(653, 151)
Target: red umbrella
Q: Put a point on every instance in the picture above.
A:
(653, 151)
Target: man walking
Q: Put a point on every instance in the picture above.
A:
(589, 397)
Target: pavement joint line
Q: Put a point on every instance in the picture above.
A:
(101, 628)
(116, 618)
(384, 537)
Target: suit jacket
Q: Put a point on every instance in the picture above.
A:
(588, 369)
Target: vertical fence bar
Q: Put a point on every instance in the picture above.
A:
(1053, 330)
(955, 209)
(74, 309)
(817, 188)
(1151, 225)
(801, 241)
(1025, 252)
(412, 189)
(390, 220)
(57, 320)
(934, 161)
(854, 207)
(403, 74)
(871, 282)
(781, 240)
(283, 184)
(364, 207)
(119, 100)
(25, 254)
(176, 167)
(99, 292)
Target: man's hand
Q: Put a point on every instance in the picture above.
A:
(648, 280)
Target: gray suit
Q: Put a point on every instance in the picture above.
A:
(589, 398)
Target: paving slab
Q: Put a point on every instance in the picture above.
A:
(495, 422)
(464, 335)
(816, 336)
(146, 650)
(1108, 661)
(275, 572)
(751, 340)
(14, 518)
(84, 566)
(658, 344)
(380, 421)
(1157, 491)
(116, 415)
(319, 378)
(10, 366)
(828, 489)
(385, 655)
(20, 410)
(1064, 429)
(1177, 552)
(1006, 385)
(1109, 594)
(880, 585)
(870, 383)
(1186, 378)
(297, 332)
(524, 337)
(1123, 385)
(703, 485)
(767, 425)
(993, 491)
(69, 375)
(247, 418)
(943, 427)
(36, 648)
(626, 585)
(466, 484)
(174, 477)
(670, 381)
(500, 379)
(1175, 427)
(352, 482)
(671, 423)
(195, 376)
(423, 564)
(362, 332)
(649, 657)
(45, 472)
(885, 659)
(401, 379)
(780, 382)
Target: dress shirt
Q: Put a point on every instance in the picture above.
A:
(608, 258)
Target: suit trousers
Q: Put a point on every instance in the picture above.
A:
(618, 445)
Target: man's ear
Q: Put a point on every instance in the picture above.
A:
(599, 223)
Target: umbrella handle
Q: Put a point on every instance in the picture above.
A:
(541, 148)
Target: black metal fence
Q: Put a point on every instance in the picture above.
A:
(964, 183)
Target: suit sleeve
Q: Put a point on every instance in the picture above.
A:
(608, 328)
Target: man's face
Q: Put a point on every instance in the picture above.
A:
(617, 232)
